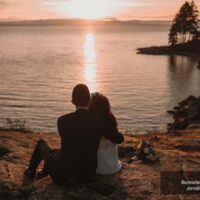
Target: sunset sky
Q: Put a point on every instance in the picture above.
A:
(90, 9)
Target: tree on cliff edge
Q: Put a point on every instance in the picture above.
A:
(185, 25)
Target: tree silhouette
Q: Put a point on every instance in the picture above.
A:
(185, 24)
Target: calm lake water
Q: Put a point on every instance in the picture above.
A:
(40, 65)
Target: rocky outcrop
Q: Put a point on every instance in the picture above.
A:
(186, 114)
(137, 180)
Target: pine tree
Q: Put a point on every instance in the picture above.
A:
(173, 35)
(185, 24)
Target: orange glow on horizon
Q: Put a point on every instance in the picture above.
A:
(90, 9)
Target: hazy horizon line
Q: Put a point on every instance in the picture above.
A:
(75, 21)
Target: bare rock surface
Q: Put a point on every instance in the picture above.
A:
(186, 115)
(136, 181)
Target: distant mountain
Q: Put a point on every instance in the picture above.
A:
(79, 22)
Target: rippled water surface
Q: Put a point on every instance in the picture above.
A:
(40, 65)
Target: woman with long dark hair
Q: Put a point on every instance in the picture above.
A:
(107, 156)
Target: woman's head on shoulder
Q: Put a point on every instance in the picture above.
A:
(100, 105)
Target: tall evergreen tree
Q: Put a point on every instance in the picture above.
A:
(185, 24)
(173, 35)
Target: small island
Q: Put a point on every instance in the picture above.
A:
(184, 35)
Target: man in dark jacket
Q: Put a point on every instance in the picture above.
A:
(80, 133)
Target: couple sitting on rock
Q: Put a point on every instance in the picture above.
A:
(88, 142)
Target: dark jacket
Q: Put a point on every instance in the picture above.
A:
(80, 134)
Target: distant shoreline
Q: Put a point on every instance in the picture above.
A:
(191, 49)
(80, 22)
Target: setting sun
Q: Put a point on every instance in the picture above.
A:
(90, 9)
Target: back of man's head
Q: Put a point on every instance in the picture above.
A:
(81, 95)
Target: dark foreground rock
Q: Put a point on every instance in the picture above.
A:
(136, 181)
(186, 114)
(189, 49)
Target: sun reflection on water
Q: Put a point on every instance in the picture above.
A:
(90, 61)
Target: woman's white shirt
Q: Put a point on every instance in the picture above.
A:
(107, 158)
